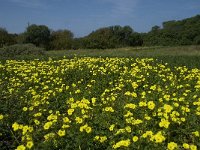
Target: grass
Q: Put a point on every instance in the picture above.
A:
(131, 52)
(176, 56)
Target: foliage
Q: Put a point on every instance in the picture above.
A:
(113, 37)
(38, 35)
(20, 49)
(96, 103)
(61, 40)
(6, 38)
(183, 32)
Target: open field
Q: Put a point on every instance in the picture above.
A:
(132, 52)
(176, 56)
(110, 100)
(98, 103)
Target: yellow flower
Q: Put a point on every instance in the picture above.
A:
(135, 139)
(186, 146)
(96, 137)
(128, 93)
(111, 128)
(88, 129)
(49, 136)
(61, 132)
(122, 143)
(29, 144)
(134, 85)
(147, 117)
(176, 104)
(67, 87)
(25, 108)
(21, 147)
(193, 147)
(164, 123)
(78, 120)
(172, 146)
(93, 101)
(130, 105)
(128, 129)
(183, 119)
(15, 126)
(141, 104)
(66, 120)
(47, 125)
(168, 108)
(70, 111)
(110, 109)
(159, 138)
(37, 122)
(25, 129)
(133, 94)
(65, 126)
(151, 105)
(102, 139)
(31, 108)
(37, 115)
(1, 116)
(52, 117)
(196, 133)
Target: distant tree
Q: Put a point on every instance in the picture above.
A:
(61, 39)
(135, 39)
(155, 28)
(182, 32)
(100, 39)
(112, 37)
(6, 38)
(80, 43)
(38, 35)
(21, 38)
(197, 40)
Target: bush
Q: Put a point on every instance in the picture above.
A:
(21, 49)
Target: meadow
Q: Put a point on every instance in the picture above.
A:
(125, 99)
(175, 56)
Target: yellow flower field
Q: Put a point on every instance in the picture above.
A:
(98, 103)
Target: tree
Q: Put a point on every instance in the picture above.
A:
(61, 39)
(155, 28)
(6, 38)
(21, 38)
(112, 37)
(38, 35)
(182, 32)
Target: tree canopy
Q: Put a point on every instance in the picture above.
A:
(61, 39)
(38, 35)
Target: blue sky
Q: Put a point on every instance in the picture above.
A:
(85, 16)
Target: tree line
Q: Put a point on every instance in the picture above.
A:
(182, 32)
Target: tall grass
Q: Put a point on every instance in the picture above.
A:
(176, 56)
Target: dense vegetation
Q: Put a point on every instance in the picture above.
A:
(16, 50)
(97, 103)
(183, 32)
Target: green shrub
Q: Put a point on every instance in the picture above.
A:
(21, 49)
